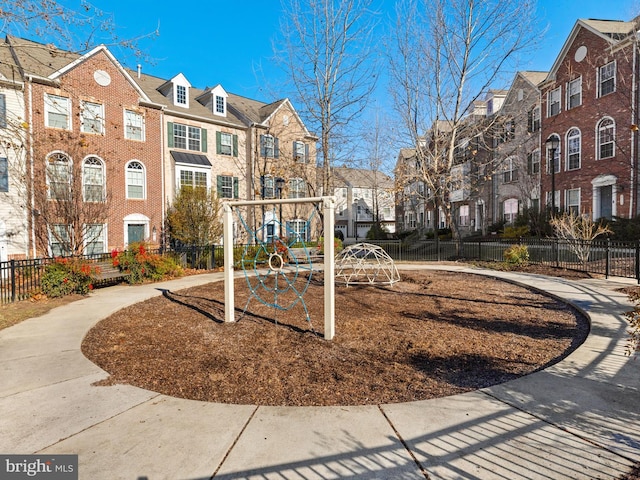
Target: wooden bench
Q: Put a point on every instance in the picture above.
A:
(109, 274)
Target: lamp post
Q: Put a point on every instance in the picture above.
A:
(355, 223)
(279, 188)
(552, 143)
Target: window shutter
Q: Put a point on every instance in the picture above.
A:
(263, 150)
(530, 121)
(219, 185)
(261, 186)
(235, 145)
(203, 140)
(235, 187)
(4, 175)
(276, 149)
(3, 111)
(306, 153)
(218, 142)
(170, 134)
(529, 163)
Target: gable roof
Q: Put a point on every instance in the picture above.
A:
(48, 62)
(38, 59)
(612, 31)
(360, 177)
(535, 78)
(254, 112)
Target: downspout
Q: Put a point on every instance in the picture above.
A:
(31, 167)
(634, 136)
(162, 175)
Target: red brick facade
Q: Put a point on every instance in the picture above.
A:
(596, 178)
(79, 84)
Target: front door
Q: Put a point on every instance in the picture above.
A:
(606, 199)
(135, 233)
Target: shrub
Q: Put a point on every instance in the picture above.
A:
(513, 231)
(66, 276)
(516, 255)
(140, 265)
(337, 245)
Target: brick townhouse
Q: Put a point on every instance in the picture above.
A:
(588, 109)
(515, 186)
(102, 151)
(587, 104)
(94, 148)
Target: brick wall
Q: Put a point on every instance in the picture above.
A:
(616, 105)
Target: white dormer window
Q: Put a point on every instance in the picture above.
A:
(218, 101)
(181, 95)
(220, 105)
(177, 90)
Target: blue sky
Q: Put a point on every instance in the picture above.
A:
(230, 42)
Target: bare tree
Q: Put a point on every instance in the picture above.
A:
(445, 55)
(77, 30)
(579, 231)
(327, 49)
(71, 199)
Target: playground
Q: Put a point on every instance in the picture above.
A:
(433, 334)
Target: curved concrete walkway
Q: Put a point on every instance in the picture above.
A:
(579, 419)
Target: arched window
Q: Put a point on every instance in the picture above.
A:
(136, 183)
(93, 180)
(573, 149)
(59, 176)
(606, 138)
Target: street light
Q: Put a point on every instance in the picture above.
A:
(355, 223)
(553, 142)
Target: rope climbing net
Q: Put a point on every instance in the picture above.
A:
(276, 264)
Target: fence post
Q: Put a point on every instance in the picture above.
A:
(607, 263)
(556, 246)
(13, 280)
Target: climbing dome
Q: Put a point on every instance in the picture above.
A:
(365, 264)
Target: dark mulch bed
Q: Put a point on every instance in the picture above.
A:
(431, 335)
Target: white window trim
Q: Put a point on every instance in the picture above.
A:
(48, 107)
(100, 118)
(142, 127)
(103, 236)
(579, 93)
(579, 136)
(566, 199)
(599, 82)
(48, 176)
(104, 178)
(549, 96)
(223, 145)
(144, 180)
(184, 104)
(192, 168)
(613, 142)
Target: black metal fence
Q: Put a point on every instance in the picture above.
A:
(19, 279)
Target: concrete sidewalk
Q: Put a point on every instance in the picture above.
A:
(579, 419)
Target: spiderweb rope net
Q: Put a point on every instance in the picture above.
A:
(273, 269)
